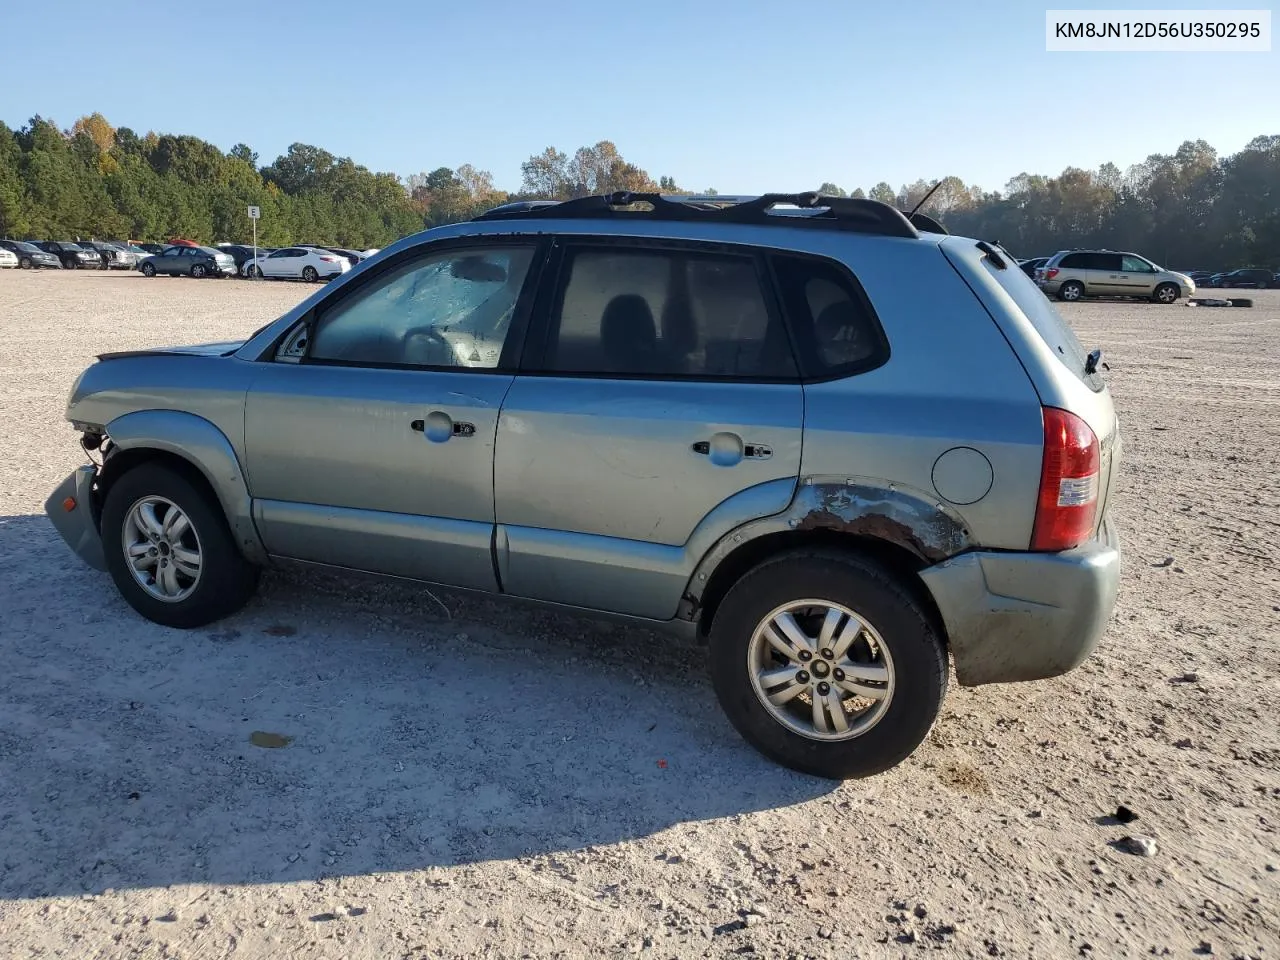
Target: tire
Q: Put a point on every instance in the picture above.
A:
(198, 271)
(225, 581)
(1071, 291)
(255, 272)
(25, 263)
(1166, 293)
(309, 274)
(911, 652)
(148, 270)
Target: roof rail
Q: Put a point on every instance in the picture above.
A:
(797, 209)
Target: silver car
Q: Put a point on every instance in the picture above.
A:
(842, 450)
(1074, 274)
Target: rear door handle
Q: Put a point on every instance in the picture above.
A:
(730, 449)
(439, 427)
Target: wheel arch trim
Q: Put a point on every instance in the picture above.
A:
(206, 448)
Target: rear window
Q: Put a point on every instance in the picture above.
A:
(1044, 316)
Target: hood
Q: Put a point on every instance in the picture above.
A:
(223, 349)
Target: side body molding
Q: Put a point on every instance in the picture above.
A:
(205, 447)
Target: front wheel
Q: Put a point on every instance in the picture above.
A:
(198, 271)
(309, 274)
(1167, 293)
(169, 550)
(255, 272)
(148, 270)
(25, 263)
(827, 664)
(1071, 291)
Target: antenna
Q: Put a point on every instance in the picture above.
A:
(925, 198)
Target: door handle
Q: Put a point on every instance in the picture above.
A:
(439, 427)
(726, 449)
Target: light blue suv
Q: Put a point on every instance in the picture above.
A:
(840, 445)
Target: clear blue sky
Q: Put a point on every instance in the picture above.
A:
(744, 96)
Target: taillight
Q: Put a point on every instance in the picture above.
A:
(1050, 273)
(1067, 505)
(329, 259)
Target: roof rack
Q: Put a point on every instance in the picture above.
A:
(780, 209)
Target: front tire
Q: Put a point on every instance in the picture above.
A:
(309, 274)
(169, 549)
(827, 664)
(1071, 291)
(148, 270)
(25, 263)
(198, 271)
(255, 272)
(1167, 293)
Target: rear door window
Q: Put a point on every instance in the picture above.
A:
(836, 330)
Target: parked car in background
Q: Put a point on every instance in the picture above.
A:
(195, 262)
(299, 263)
(710, 353)
(113, 255)
(1073, 274)
(182, 242)
(1250, 277)
(72, 255)
(1029, 267)
(8, 258)
(31, 257)
(150, 248)
(1199, 276)
(243, 253)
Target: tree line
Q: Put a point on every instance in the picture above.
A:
(1189, 209)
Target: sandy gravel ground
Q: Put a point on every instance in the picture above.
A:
(468, 780)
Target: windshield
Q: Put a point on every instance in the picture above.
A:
(69, 246)
(27, 247)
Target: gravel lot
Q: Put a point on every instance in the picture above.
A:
(470, 780)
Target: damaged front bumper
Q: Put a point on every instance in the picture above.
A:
(70, 507)
(1026, 616)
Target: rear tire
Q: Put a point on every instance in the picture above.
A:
(226, 580)
(1166, 293)
(910, 653)
(148, 270)
(25, 263)
(309, 274)
(1071, 291)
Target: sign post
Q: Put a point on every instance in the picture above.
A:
(254, 214)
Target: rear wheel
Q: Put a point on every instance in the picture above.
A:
(1071, 291)
(827, 664)
(169, 550)
(25, 263)
(198, 270)
(309, 274)
(148, 270)
(1166, 293)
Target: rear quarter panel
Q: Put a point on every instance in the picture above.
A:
(951, 381)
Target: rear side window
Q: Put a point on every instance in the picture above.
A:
(836, 329)
(1073, 261)
(1049, 324)
(665, 314)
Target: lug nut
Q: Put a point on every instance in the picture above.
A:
(828, 655)
(824, 689)
(802, 677)
(805, 656)
(838, 674)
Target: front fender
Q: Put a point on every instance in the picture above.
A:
(206, 448)
(859, 507)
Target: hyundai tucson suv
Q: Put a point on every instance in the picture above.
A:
(1074, 274)
(843, 450)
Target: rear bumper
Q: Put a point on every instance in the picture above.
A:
(1026, 616)
(77, 525)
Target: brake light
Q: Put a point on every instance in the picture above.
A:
(329, 259)
(1068, 500)
(1050, 273)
